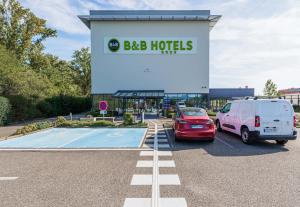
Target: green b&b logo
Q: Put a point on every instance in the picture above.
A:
(113, 45)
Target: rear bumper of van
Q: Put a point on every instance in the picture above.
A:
(257, 135)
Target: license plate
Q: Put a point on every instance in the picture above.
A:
(270, 130)
(197, 126)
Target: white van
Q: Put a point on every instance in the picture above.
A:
(264, 119)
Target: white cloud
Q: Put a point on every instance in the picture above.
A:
(252, 50)
(60, 14)
(64, 47)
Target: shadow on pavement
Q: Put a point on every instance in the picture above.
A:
(228, 145)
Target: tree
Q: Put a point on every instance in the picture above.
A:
(270, 88)
(81, 64)
(21, 31)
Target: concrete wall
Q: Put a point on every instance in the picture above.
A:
(178, 73)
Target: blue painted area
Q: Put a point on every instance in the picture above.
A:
(79, 138)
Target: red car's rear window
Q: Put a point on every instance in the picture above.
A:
(194, 113)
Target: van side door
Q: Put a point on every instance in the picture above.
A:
(234, 118)
(225, 115)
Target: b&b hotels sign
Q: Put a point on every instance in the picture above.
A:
(157, 45)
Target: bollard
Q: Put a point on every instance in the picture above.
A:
(142, 116)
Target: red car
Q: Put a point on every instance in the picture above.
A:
(194, 124)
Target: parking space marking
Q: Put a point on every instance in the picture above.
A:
(8, 178)
(70, 149)
(75, 139)
(168, 179)
(155, 185)
(166, 163)
(160, 153)
(171, 202)
(137, 202)
(155, 179)
(161, 163)
(151, 141)
(139, 179)
(223, 142)
(144, 163)
(163, 146)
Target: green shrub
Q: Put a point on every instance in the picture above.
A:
(128, 119)
(23, 107)
(136, 125)
(63, 105)
(96, 113)
(170, 114)
(211, 113)
(34, 127)
(60, 120)
(5, 109)
(79, 124)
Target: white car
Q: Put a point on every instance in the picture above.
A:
(180, 105)
(262, 119)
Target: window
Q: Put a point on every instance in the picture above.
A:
(194, 112)
(226, 108)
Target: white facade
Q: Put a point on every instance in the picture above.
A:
(187, 71)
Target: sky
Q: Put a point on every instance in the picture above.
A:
(255, 40)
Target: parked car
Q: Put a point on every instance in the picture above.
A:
(193, 124)
(180, 105)
(259, 119)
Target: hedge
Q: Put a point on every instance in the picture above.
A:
(80, 124)
(5, 109)
(63, 105)
(128, 119)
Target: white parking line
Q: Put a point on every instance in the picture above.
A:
(160, 153)
(155, 179)
(137, 202)
(141, 180)
(223, 142)
(77, 138)
(171, 202)
(155, 184)
(166, 179)
(151, 141)
(144, 163)
(8, 178)
(161, 163)
(71, 149)
(166, 163)
(163, 146)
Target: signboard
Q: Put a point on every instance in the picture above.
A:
(103, 105)
(166, 103)
(150, 45)
(103, 112)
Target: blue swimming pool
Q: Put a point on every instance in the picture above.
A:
(79, 138)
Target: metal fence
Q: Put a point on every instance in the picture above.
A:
(294, 99)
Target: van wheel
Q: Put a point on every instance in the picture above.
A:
(281, 142)
(246, 137)
(219, 128)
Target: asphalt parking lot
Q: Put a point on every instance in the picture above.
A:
(224, 173)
